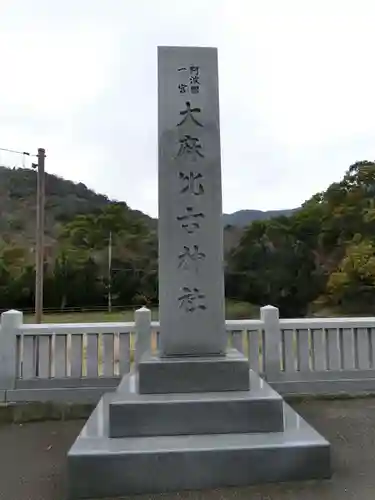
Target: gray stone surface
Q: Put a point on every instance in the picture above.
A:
(354, 387)
(102, 467)
(191, 280)
(193, 374)
(39, 450)
(133, 414)
(69, 395)
(68, 383)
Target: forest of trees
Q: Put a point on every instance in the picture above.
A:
(76, 272)
(322, 257)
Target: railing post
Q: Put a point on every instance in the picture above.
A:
(272, 338)
(11, 321)
(142, 319)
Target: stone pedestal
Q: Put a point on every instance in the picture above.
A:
(229, 372)
(135, 443)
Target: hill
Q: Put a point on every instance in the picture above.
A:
(64, 200)
(79, 226)
(243, 218)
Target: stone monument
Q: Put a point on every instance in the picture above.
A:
(191, 290)
(193, 415)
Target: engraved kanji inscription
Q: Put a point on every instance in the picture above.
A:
(191, 183)
(182, 88)
(190, 257)
(190, 221)
(190, 146)
(188, 113)
(194, 79)
(192, 299)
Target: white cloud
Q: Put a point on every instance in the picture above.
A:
(296, 87)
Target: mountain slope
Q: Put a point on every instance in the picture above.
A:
(63, 201)
(243, 218)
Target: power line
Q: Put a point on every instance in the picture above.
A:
(25, 153)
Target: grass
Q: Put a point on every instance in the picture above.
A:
(234, 310)
(87, 317)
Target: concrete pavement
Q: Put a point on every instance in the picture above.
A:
(32, 458)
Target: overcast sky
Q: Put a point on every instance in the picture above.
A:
(297, 84)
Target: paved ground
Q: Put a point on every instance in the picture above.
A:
(32, 458)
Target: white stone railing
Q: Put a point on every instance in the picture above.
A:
(78, 362)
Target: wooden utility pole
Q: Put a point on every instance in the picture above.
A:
(110, 272)
(39, 252)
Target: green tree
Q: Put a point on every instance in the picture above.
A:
(351, 287)
(272, 265)
(17, 277)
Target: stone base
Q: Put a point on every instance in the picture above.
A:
(133, 414)
(193, 374)
(99, 466)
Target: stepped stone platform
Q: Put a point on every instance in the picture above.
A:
(134, 414)
(173, 442)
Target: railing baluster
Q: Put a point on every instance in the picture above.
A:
(116, 354)
(124, 353)
(92, 361)
(60, 356)
(28, 368)
(333, 349)
(19, 357)
(303, 350)
(44, 356)
(318, 349)
(363, 351)
(289, 349)
(348, 355)
(372, 347)
(108, 355)
(76, 356)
